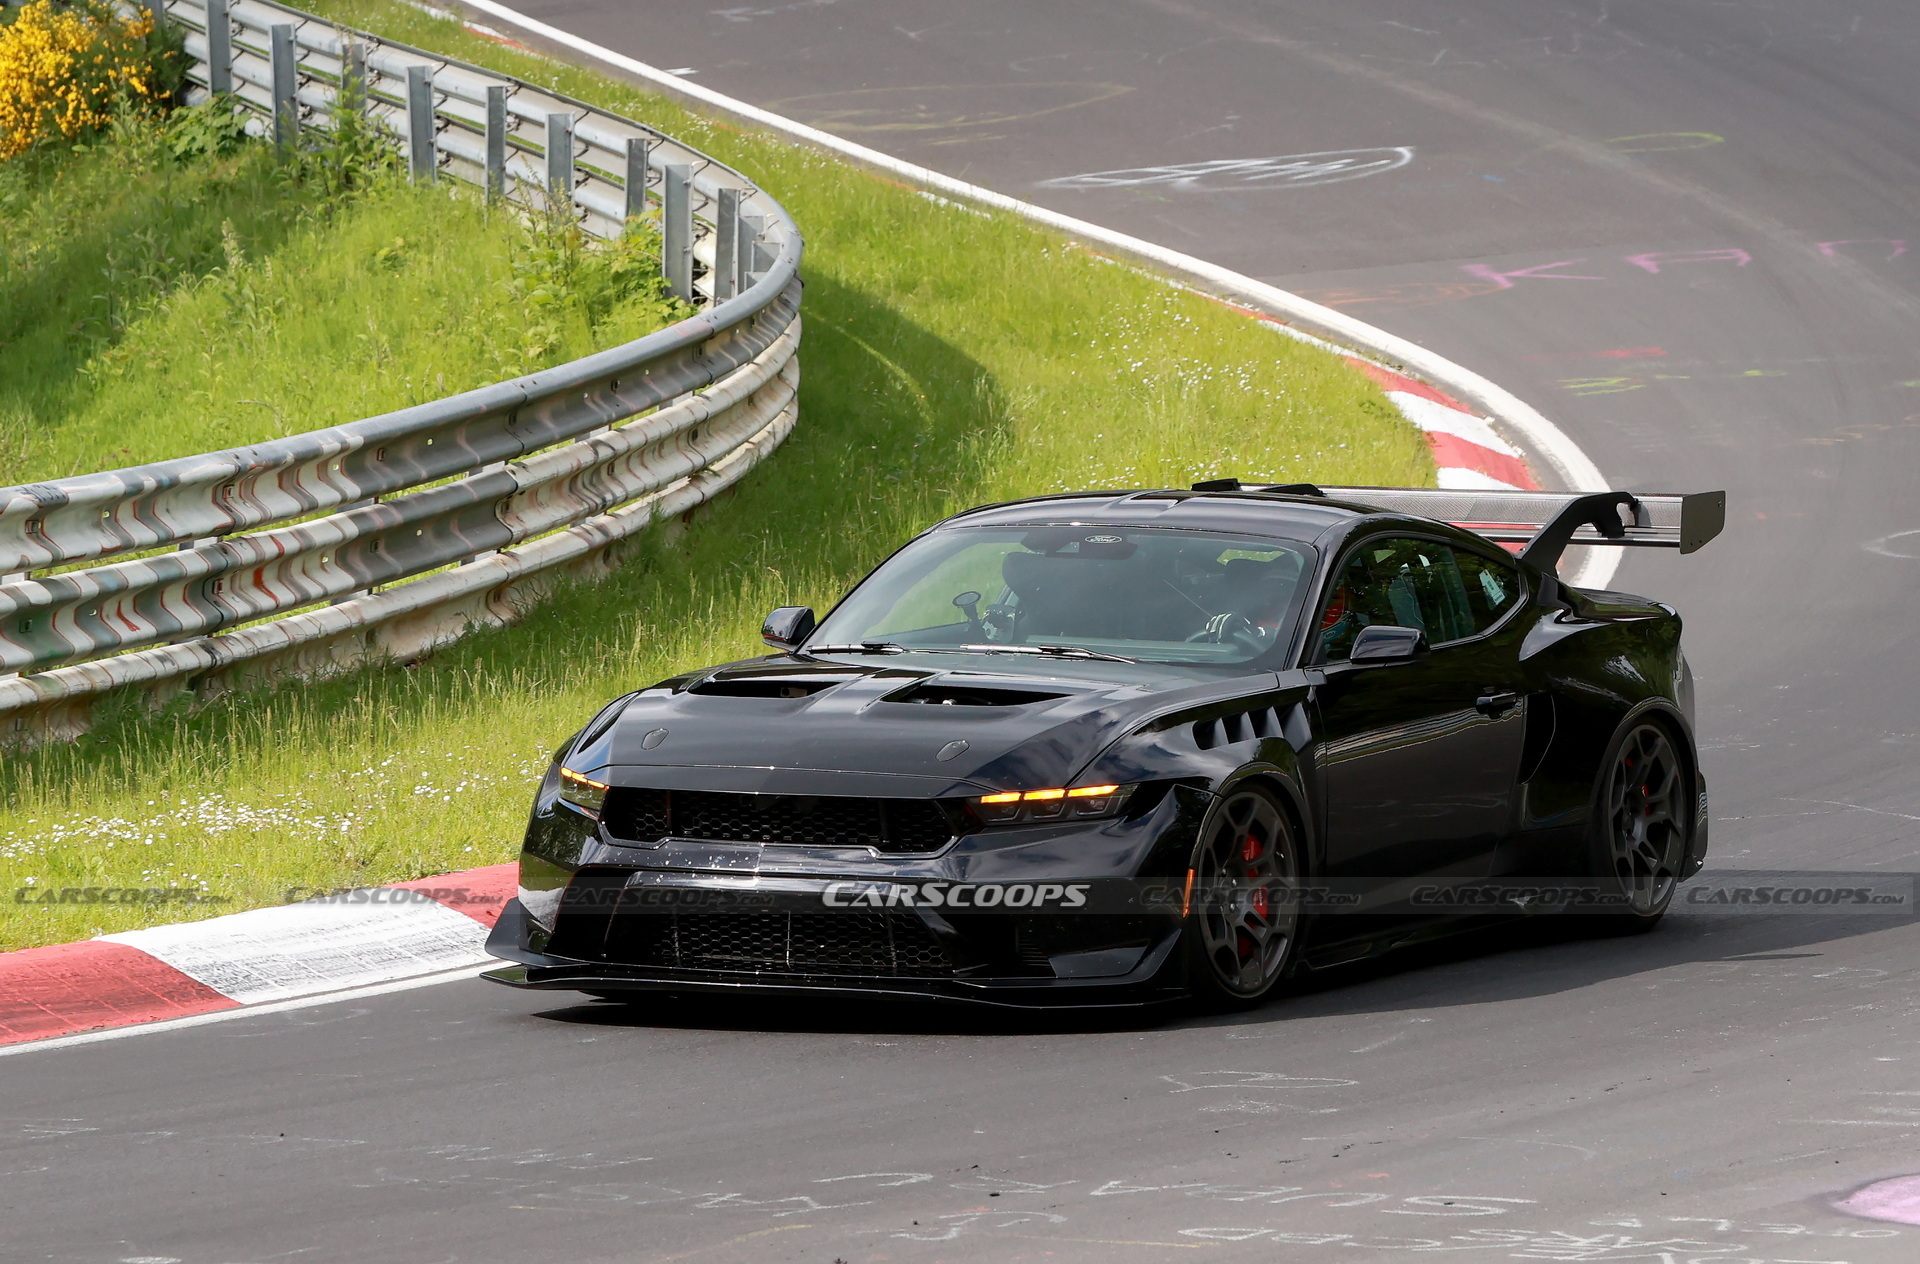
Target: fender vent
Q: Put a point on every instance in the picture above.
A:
(1241, 726)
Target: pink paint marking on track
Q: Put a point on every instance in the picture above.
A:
(1897, 1199)
(68, 988)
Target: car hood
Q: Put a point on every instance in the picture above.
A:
(913, 726)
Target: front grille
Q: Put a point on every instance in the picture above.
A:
(886, 825)
(851, 943)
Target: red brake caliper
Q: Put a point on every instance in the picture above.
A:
(1250, 851)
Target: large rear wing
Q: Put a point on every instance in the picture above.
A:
(1545, 522)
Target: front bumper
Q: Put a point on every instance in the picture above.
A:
(599, 915)
(1153, 976)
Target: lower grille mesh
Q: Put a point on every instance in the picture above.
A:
(853, 943)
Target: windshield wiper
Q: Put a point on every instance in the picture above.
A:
(1051, 651)
(861, 647)
(893, 647)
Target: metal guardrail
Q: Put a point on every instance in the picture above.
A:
(314, 553)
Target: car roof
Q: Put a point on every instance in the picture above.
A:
(1257, 513)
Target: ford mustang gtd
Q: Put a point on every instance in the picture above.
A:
(1110, 748)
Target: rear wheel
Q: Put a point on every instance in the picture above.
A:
(1641, 825)
(1244, 915)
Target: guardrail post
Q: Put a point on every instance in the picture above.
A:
(352, 95)
(285, 75)
(560, 159)
(676, 228)
(156, 9)
(219, 48)
(751, 228)
(496, 141)
(422, 160)
(637, 150)
(726, 246)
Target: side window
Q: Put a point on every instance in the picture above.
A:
(1405, 582)
(1492, 588)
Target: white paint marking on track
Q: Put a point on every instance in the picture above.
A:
(245, 1011)
(1285, 171)
(1574, 468)
(272, 954)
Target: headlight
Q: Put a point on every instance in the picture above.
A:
(583, 792)
(1025, 807)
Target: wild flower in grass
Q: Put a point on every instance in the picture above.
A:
(64, 69)
(213, 815)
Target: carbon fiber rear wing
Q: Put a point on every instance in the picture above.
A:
(1545, 522)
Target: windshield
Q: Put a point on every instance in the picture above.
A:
(1145, 594)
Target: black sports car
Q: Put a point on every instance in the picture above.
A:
(1116, 747)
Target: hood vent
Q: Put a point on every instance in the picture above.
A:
(1242, 726)
(951, 695)
(764, 687)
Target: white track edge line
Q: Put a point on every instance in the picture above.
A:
(246, 1011)
(1551, 443)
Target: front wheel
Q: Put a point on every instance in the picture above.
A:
(1243, 913)
(1641, 825)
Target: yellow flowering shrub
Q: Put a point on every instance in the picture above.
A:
(64, 68)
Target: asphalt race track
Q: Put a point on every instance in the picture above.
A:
(1679, 228)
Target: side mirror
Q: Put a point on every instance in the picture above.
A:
(1383, 643)
(788, 626)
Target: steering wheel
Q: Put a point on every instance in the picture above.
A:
(1230, 626)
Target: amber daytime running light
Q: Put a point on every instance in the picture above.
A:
(1014, 807)
(583, 791)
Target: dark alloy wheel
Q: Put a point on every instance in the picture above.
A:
(1244, 913)
(1642, 823)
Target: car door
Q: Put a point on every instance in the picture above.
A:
(1418, 761)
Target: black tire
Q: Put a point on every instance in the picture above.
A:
(1641, 826)
(1243, 922)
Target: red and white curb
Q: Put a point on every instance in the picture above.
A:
(335, 943)
(1467, 453)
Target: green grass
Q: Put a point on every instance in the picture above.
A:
(152, 307)
(949, 359)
